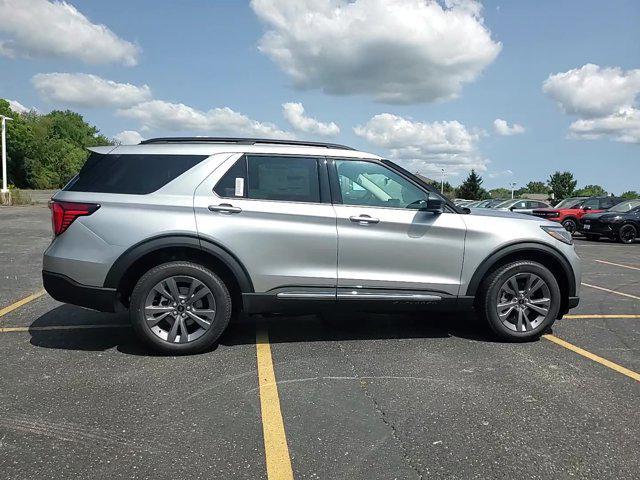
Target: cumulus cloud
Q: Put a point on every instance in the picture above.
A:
(294, 114)
(17, 107)
(161, 115)
(604, 99)
(85, 90)
(128, 137)
(501, 127)
(425, 147)
(40, 28)
(503, 173)
(398, 51)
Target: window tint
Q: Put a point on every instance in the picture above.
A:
(607, 203)
(371, 184)
(233, 183)
(132, 174)
(591, 203)
(293, 179)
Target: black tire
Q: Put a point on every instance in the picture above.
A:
(592, 237)
(221, 317)
(628, 233)
(489, 292)
(570, 225)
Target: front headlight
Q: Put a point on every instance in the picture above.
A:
(558, 233)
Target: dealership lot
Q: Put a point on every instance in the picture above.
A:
(372, 397)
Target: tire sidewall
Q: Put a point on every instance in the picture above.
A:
(161, 272)
(570, 221)
(635, 230)
(491, 299)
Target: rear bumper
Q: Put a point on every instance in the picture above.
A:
(64, 289)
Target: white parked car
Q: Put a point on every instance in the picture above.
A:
(521, 205)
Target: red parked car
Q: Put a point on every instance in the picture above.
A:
(570, 211)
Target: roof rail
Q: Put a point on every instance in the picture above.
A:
(242, 141)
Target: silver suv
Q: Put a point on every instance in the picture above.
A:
(187, 232)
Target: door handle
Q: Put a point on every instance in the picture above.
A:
(225, 208)
(363, 219)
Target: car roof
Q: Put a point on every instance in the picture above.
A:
(213, 145)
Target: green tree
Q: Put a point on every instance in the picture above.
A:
(630, 194)
(471, 188)
(562, 185)
(536, 187)
(591, 191)
(500, 193)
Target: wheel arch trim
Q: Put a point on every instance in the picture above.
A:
(147, 246)
(521, 247)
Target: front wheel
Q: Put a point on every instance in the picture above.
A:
(628, 233)
(180, 308)
(520, 300)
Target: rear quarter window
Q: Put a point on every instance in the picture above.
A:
(131, 174)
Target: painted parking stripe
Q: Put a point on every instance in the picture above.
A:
(22, 302)
(275, 441)
(618, 265)
(61, 327)
(595, 315)
(594, 357)
(611, 291)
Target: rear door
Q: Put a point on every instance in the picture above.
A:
(386, 245)
(273, 212)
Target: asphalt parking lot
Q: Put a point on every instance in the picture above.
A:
(429, 396)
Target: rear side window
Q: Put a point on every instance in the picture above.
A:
(261, 177)
(131, 174)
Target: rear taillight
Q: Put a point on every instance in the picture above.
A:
(64, 213)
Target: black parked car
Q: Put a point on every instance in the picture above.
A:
(621, 222)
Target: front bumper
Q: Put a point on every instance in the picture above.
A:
(66, 290)
(598, 228)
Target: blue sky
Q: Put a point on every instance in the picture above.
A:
(204, 55)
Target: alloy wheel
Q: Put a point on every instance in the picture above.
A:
(179, 309)
(628, 233)
(523, 302)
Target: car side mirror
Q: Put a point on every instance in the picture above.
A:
(512, 208)
(586, 209)
(433, 205)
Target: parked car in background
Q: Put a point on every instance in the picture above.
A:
(570, 211)
(493, 202)
(521, 205)
(621, 222)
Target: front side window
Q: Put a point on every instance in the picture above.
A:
(373, 185)
(258, 177)
(592, 203)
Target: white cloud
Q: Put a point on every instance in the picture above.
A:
(604, 99)
(161, 115)
(398, 51)
(39, 28)
(294, 114)
(501, 127)
(503, 173)
(425, 147)
(623, 126)
(592, 91)
(128, 137)
(84, 90)
(17, 107)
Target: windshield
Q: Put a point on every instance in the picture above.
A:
(570, 203)
(504, 203)
(626, 206)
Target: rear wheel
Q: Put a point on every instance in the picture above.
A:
(570, 225)
(180, 308)
(628, 233)
(520, 300)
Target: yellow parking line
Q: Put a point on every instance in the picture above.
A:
(61, 327)
(601, 316)
(275, 441)
(610, 291)
(594, 357)
(618, 265)
(22, 302)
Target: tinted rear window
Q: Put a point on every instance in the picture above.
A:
(132, 174)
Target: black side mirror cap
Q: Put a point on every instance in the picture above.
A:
(433, 205)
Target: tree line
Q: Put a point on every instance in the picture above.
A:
(44, 151)
(560, 184)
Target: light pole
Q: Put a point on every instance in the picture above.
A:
(442, 182)
(513, 186)
(4, 153)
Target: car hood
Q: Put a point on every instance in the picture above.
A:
(490, 212)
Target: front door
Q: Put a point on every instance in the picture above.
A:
(385, 242)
